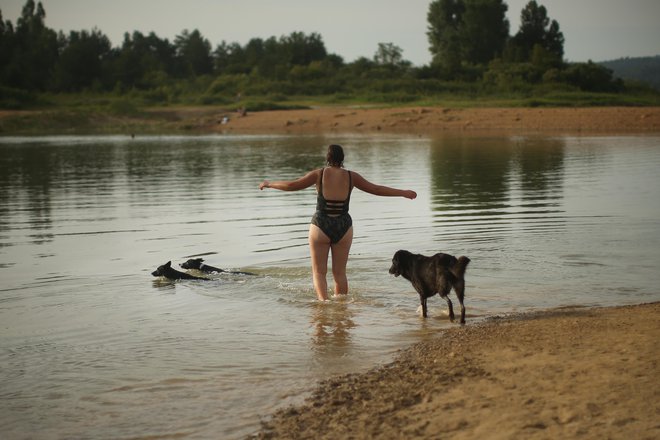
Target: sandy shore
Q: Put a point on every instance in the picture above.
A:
(341, 120)
(565, 373)
(437, 119)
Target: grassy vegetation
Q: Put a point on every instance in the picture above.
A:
(183, 107)
(54, 82)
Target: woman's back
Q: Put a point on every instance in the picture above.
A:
(335, 184)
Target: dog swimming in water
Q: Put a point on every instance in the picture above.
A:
(198, 264)
(168, 272)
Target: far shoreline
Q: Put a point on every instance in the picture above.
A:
(340, 120)
(438, 120)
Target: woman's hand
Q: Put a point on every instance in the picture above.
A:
(408, 194)
(264, 184)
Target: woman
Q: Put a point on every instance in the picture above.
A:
(332, 226)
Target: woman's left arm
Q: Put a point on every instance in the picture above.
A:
(381, 190)
(305, 181)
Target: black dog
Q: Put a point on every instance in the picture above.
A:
(431, 275)
(198, 264)
(172, 274)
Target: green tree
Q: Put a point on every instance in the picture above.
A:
(466, 31)
(536, 29)
(271, 58)
(143, 57)
(7, 44)
(230, 59)
(485, 30)
(82, 60)
(445, 18)
(361, 67)
(302, 49)
(194, 52)
(390, 55)
(35, 50)
(266, 58)
(592, 77)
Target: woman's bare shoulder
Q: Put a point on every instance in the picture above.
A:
(357, 177)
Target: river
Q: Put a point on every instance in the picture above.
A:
(93, 346)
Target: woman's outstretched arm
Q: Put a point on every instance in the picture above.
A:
(380, 190)
(305, 181)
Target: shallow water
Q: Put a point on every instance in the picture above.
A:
(92, 346)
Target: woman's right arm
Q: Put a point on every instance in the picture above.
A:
(380, 190)
(306, 181)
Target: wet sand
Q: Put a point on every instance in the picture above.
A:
(587, 373)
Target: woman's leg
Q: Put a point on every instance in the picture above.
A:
(319, 246)
(340, 252)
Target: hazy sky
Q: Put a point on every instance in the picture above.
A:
(593, 29)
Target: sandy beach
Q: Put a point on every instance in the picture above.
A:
(341, 119)
(427, 120)
(587, 373)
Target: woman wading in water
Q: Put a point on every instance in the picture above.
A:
(332, 227)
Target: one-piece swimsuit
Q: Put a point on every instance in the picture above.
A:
(332, 216)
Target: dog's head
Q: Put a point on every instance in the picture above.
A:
(398, 261)
(161, 271)
(195, 263)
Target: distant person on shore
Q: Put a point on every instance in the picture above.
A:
(331, 229)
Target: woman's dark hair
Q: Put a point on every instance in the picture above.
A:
(335, 156)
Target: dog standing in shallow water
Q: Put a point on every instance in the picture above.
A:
(430, 275)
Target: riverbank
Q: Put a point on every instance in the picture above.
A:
(437, 119)
(565, 373)
(331, 119)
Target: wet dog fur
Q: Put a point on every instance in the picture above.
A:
(430, 275)
(198, 263)
(166, 271)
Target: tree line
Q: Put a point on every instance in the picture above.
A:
(642, 69)
(469, 40)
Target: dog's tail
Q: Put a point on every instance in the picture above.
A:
(460, 267)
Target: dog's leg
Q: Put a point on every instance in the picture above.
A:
(451, 308)
(424, 310)
(459, 288)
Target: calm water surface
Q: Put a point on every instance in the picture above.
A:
(92, 346)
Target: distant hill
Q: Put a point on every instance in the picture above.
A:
(643, 69)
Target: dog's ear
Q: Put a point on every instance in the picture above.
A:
(168, 264)
(200, 259)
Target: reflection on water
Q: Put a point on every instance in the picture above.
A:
(490, 187)
(332, 328)
(92, 345)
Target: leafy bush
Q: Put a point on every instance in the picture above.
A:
(15, 99)
(123, 107)
(591, 77)
(230, 85)
(208, 99)
(260, 106)
(511, 76)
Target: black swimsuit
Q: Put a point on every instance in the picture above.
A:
(332, 216)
